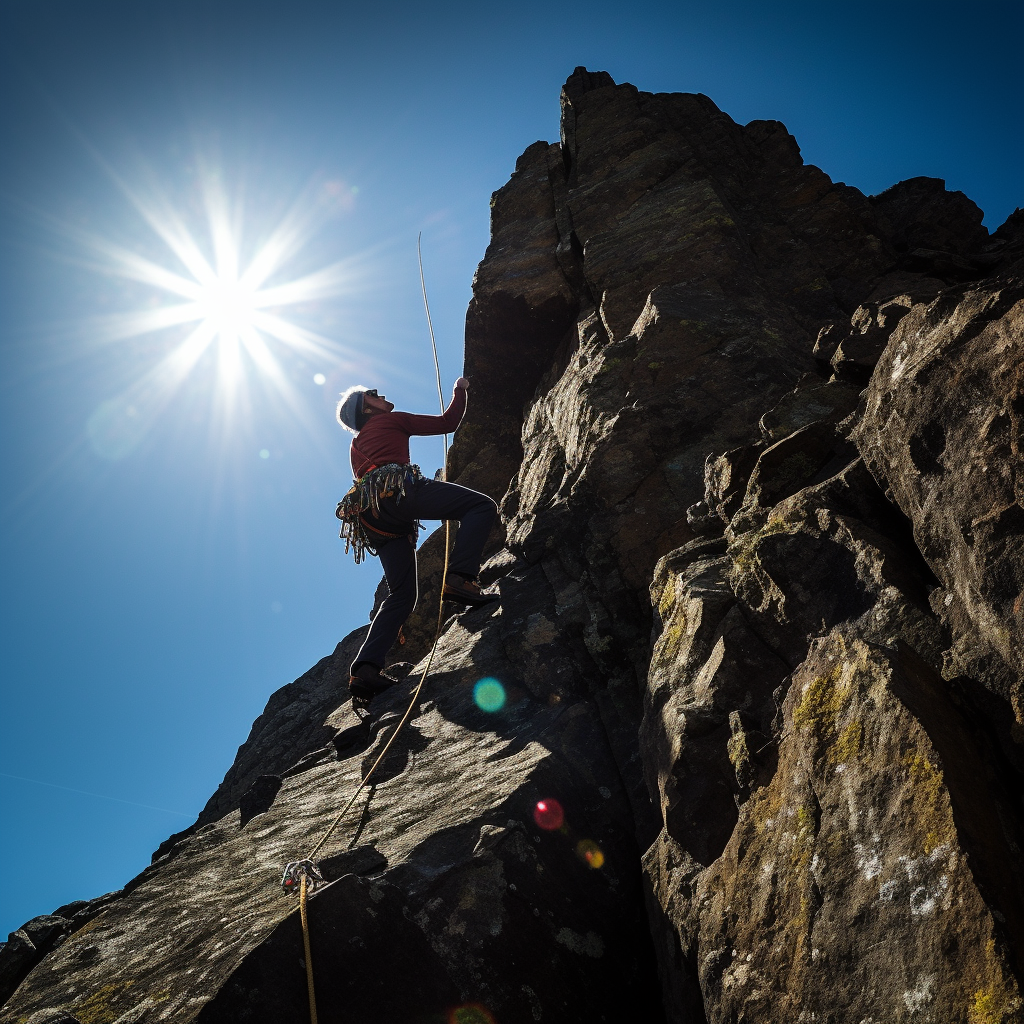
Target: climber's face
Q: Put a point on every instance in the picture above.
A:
(374, 403)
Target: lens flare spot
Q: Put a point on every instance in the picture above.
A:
(319, 378)
(548, 814)
(590, 852)
(471, 1013)
(264, 453)
(489, 694)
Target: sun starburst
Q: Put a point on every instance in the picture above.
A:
(215, 301)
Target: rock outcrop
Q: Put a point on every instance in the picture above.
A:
(752, 746)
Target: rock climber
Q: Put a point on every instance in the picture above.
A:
(381, 514)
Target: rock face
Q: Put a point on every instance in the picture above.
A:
(756, 752)
(943, 431)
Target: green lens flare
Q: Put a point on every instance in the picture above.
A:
(489, 695)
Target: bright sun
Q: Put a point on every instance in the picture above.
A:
(232, 308)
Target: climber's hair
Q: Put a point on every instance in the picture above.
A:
(349, 411)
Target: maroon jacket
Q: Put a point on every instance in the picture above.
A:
(385, 438)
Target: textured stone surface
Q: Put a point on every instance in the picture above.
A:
(842, 826)
(25, 947)
(759, 637)
(870, 879)
(943, 431)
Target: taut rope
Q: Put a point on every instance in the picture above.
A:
(415, 693)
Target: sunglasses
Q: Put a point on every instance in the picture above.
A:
(372, 393)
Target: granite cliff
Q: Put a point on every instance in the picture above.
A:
(757, 443)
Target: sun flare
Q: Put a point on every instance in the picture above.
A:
(237, 310)
(229, 306)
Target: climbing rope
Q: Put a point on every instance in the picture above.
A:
(305, 943)
(305, 871)
(430, 327)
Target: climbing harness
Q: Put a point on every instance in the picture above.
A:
(305, 871)
(365, 495)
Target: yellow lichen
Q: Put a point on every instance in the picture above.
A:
(803, 842)
(666, 600)
(821, 701)
(823, 706)
(847, 746)
(984, 1010)
(743, 556)
(736, 747)
(89, 926)
(673, 637)
(744, 552)
(990, 1007)
(775, 526)
(929, 801)
(763, 808)
(998, 1001)
(98, 1008)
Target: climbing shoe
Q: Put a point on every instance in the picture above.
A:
(467, 592)
(367, 681)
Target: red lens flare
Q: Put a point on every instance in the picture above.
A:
(471, 1013)
(548, 814)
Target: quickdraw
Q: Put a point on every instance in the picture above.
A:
(296, 871)
(365, 495)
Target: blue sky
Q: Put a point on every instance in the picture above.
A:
(157, 589)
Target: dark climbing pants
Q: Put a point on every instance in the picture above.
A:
(424, 499)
